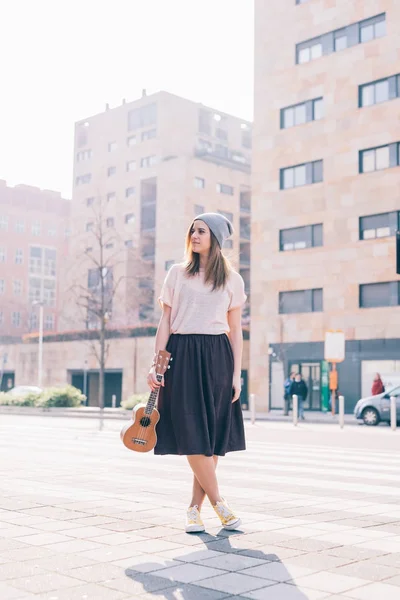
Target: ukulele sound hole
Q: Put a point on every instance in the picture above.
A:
(145, 421)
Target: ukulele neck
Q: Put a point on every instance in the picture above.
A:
(151, 402)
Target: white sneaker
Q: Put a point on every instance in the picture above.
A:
(194, 523)
(228, 519)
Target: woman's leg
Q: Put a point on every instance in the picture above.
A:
(198, 493)
(203, 468)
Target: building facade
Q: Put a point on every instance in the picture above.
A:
(325, 195)
(34, 227)
(142, 171)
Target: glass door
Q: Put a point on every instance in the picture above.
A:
(311, 373)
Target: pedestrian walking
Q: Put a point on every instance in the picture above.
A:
(299, 388)
(377, 385)
(200, 415)
(286, 393)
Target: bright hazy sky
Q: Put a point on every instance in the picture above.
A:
(62, 60)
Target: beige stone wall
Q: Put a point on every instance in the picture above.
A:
(343, 262)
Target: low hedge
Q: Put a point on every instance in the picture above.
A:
(67, 396)
(130, 402)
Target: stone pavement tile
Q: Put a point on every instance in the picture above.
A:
(366, 569)
(146, 563)
(234, 583)
(7, 592)
(61, 563)
(116, 538)
(185, 539)
(115, 525)
(341, 538)
(85, 532)
(7, 544)
(319, 561)
(307, 545)
(15, 531)
(285, 591)
(269, 537)
(328, 582)
(271, 553)
(277, 571)
(155, 546)
(44, 539)
(97, 573)
(59, 526)
(27, 553)
(299, 532)
(94, 520)
(187, 573)
(184, 592)
(232, 562)
(88, 591)
(52, 512)
(386, 546)
(354, 553)
(389, 560)
(394, 580)
(14, 570)
(190, 555)
(159, 532)
(46, 582)
(74, 545)
(139, 583)
(111, 553)
(17, 503)
(22, 519)
(233, 545)
(373, 591)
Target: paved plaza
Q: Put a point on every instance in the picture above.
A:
(82, 517)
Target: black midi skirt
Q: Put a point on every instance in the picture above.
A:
(196, 411)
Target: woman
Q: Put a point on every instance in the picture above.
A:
(200, 415)
(377, 385)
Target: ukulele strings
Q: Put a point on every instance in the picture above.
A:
(144, 427)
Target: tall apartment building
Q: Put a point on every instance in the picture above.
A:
(325, 194)
(34, 226)
(143, 170)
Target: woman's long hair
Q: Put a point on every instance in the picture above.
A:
(218, 266)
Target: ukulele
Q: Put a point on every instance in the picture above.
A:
(140, 435)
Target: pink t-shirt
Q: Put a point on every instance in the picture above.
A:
(195, 308)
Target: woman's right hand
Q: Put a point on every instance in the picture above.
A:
(152, 380)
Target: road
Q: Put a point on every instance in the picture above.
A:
(81, 517)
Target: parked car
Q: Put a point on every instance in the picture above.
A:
(374, 409)
(23, 390)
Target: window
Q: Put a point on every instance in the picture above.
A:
(82, 179)
(89, 226)
(300, 175)
(49, 322)
(2, 286)
(199, 210)
(130, 191)
(35, 286)
(50, 262)
(168, 264)
(89, 201)
(149, 135)
(301, 301)
(199, 183)
(3, 223)
(298, 238)
(36, 228)
(301, 1)
(1, 318)
(83, 155)
(340, 39)
(111, 197)
(35, 260)
(20, 226)
(148, 161)
(246, 139)
(129, 218)
(221, 134)
(19, 254)
(381, 225)
(16, 319)
(205, 146)
(311, 110)
(33, 321)
(89, 249)
(380, 294)
(112, 146)
(379, 91)
(52, 231)
(128, 243)
(49, 292)
(110, 222)
(111, 171)
(17, 287)
(375, 159)
(142, 117)
(131, 141)
(224, 189)
(131, 165)
(221, 150)
(227, 215)
(109, 245)
(3, 254)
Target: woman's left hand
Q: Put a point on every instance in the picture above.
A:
(237, 388)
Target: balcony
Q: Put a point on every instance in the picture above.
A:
(245, 231)
(245, 202)
(225, 157)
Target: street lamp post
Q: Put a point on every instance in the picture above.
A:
(40, 349)
(270, 355)
(85, 369)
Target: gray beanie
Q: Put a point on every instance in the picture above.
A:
(221, 227)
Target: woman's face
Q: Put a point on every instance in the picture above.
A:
(200, 237)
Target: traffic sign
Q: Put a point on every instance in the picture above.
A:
(334, 346)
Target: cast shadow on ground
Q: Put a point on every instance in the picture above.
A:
(170, 588)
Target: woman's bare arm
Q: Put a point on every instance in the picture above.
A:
(236, 338)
